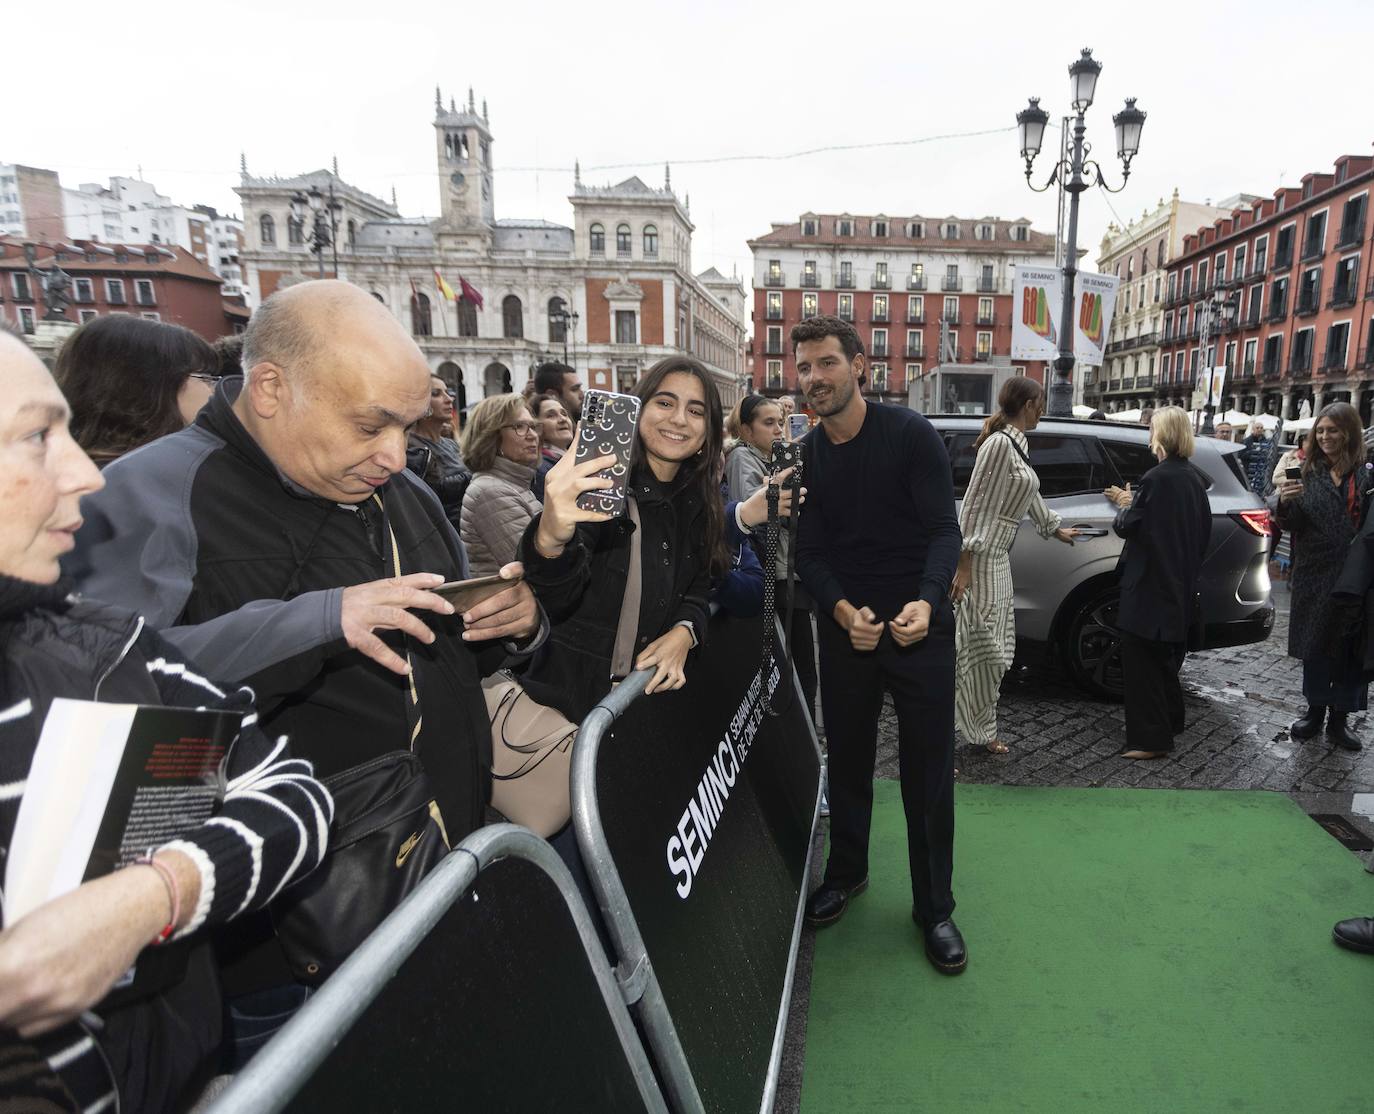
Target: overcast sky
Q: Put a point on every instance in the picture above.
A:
(1240, 97)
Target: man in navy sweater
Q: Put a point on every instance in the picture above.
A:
(877, 547)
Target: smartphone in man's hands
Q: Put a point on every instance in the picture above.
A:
(467, 594)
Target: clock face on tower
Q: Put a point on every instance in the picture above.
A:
(456, 178)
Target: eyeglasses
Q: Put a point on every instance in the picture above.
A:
(523, 428)
(204, 377)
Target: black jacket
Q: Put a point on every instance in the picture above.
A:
(440, 464)
(582, 590)
(1167, 528)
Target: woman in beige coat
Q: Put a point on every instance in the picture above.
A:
(501, 446)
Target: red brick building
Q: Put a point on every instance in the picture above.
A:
(895, 279)
(1290, 279)
(158, 281)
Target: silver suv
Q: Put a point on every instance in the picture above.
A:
(1066, 596)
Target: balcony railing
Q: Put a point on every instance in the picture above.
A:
(1350, 236)
(115, 297)
(1251, 319)
(773, 313)
(1247, 369)
(1282, 261)
(950, 318)
(915, 351)
(880, 317)
(811, 280)
(1345, 294)
(951, 282)
(1272, 366)
(773, 278)
(772, 348)
(1278, 307)
(880, 351)
(915, 282)
(986, 320)
(1300, 363)
(915, 318)
(981, 355)
(1309, 301)
(845, 282)
(881, 282)
(1334, 359)
(987, 285)
(1313, 249)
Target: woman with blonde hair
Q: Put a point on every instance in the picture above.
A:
(1322, 512)
(1002, 488)
(501, 446)
(1167, 523)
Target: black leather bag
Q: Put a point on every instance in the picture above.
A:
(388, 834)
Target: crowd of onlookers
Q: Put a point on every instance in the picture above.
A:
(274, 526)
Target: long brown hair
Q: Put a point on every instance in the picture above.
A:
(1347, 419)
(1016, 392)
(700, 470)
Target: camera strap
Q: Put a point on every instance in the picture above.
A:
(772, 539)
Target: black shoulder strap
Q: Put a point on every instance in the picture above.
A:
(1019, 450)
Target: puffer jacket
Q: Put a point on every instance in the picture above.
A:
(497, 507)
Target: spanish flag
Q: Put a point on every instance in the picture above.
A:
(444, 288)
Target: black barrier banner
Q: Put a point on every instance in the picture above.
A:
(497, 1009)
(707, 805)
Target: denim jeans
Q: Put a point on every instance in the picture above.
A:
(254, 1019)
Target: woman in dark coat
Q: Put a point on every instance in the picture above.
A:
(1167, 524)
(579, 561)
(1322, 512)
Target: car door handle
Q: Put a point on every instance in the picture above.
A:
(1090, 531)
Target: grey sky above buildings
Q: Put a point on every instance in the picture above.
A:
(1240, 97)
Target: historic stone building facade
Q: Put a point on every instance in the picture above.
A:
(608, 296)
(1139, 254)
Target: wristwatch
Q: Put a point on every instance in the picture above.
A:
(691, 629)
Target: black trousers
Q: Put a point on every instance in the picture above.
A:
(921, 681)
(1154, 698)
(803, 651)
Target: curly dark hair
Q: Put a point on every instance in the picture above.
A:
(818, 328)
(121, 376)
(701, 469)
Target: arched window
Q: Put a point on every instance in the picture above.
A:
(512, 317)
(267, 230)
(496, 380)
(379, 297)
(1159, 254)
(421, 319)
(558, 321)
(622, 239)
(650, 242)
(467, 318)
(598, 240)
(295, 231)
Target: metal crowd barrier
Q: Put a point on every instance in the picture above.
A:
(639, 982)
(363, 1043)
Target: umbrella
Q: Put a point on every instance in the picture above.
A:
(1131, 416)
(1081, 411)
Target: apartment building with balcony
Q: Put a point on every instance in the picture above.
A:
(1293, 305)
(1139, 254)
(896, 279)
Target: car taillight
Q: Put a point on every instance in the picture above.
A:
(1257, 522)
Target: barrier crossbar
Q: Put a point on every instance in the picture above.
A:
(287, 1064)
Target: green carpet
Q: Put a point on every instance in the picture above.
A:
(1129, 950)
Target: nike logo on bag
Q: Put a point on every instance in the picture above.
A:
(407, 847)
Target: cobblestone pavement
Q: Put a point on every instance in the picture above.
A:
(1240, 702)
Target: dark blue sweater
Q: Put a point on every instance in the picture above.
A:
(879, 527)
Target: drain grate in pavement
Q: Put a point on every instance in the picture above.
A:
(1344, 831)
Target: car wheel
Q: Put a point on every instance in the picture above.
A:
(1092, 646)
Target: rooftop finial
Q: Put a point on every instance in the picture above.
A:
(243, 164)
(452, 106)
(485, 118)
(577, 172)
(438, 100)
(667, 177)
(393, 197)
(336, 166)
(471, 104)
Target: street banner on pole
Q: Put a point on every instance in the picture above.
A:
(1094, 304)
(1037, 295)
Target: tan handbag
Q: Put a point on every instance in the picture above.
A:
(531, 757)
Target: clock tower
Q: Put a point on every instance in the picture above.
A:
(463, 150)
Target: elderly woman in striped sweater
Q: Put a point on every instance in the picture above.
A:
(1003, 487)
(64, 1044)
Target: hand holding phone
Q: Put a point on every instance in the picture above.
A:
(610, 423)
(467, 594)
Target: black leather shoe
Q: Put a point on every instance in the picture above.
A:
(1309, 724)
(945, 947)
(1339, 733)
(1357, 934)
(827, 904)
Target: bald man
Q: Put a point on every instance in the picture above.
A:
(280, 542)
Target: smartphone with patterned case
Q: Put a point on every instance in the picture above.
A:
(610, 423)
(797, 425)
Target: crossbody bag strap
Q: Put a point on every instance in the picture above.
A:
(1019, 450)
(414, 718)
(623, 656)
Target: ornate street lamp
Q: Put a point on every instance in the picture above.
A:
(1076, 173)
(324, 232)
(567, 319)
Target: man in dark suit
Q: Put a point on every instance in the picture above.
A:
(1167, 523)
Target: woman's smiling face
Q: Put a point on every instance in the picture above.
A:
(672, 426)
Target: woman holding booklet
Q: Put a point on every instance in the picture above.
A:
(74, 1028)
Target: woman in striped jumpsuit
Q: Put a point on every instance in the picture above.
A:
(1003, 487)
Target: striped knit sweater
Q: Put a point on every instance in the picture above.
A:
(270, 830)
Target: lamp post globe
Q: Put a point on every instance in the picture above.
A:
(1083, 80)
